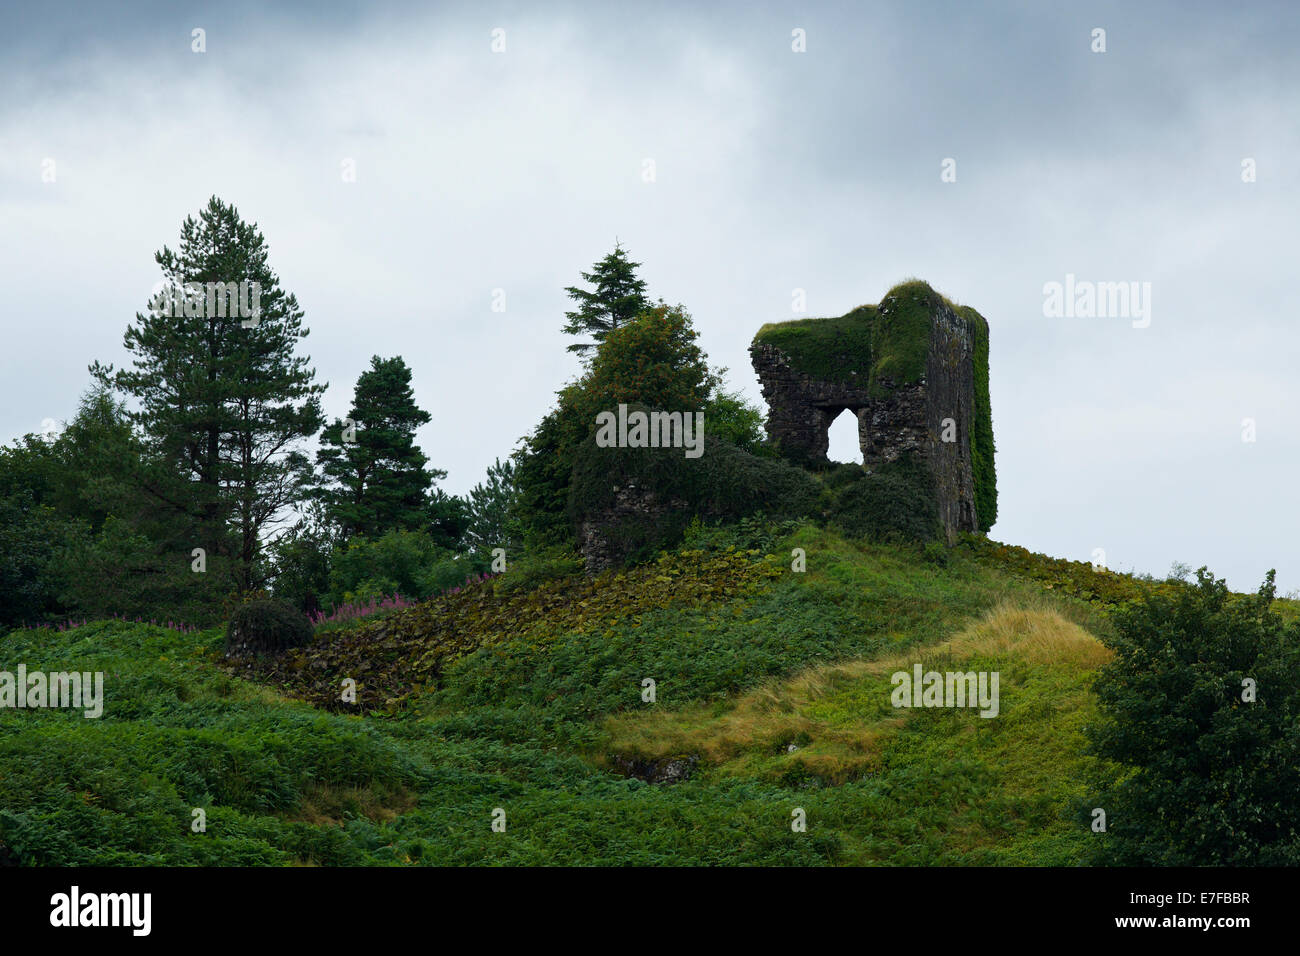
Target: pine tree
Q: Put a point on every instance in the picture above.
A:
(490, 504)
(376, 475)
(618, 298)
(224, 400)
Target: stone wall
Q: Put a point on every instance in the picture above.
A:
(599, 541)
(893, 418)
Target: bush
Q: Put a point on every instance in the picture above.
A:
(300, 562)
(728, 417)
(754, 533)
(897, 500)
(535, 569)
(723, 484)
(838, 475)
(266, 627)
(399, 561)
(1203, 723)
(452, 572)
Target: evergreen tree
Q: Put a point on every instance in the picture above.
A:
(99, 454)
(618, 298)
(490, 503)
(29, 541)
(449, 519)
(224, 400)
(376, 475)
(84, 539)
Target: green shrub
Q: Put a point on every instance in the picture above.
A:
(981, 432)
(532, 570)
(373, 589)
(266, 627)
(729, 417)
(398, 561)
(897, 500)
(840, 474)
(451, 572)
(755, 532)
(725, 483)
(1202, 717)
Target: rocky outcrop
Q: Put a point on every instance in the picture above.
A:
(666, 770)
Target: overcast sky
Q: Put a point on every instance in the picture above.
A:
(774, 170)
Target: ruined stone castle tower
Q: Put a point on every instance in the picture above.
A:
(913, 369)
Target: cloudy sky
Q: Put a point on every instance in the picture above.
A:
(773, 170)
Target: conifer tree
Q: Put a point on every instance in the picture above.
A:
(490, 504)
(376, 479)
(618, 298)
(224, 401)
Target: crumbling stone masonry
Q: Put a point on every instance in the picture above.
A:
(911, 370)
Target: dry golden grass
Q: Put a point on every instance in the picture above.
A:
(838, 716)
(325, 805)
(1036, 634)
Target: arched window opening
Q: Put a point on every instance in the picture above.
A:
(843, 444)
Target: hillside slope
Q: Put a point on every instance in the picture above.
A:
(772, 695)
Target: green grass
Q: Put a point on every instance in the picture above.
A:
(869, 346)
(832, 349)
(528, 712)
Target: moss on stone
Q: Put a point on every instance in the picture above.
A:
(867, 347)
(983, 472)
(836, 349)
(879, 346)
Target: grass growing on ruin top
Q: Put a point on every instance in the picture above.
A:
(836, 349)
(867, 347)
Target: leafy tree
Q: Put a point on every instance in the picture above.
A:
(543, 465)
(1202, 717)
(92, 469)
(377, 476)
(652, 361)
(490, 503)
(120, 571)
(29, 539)
(729, 417)
(86, 542)
(618, 298)
(300, 560)
(395, 562)
(30, 466)
(225, 402)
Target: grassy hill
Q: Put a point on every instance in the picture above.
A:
(524, 693)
